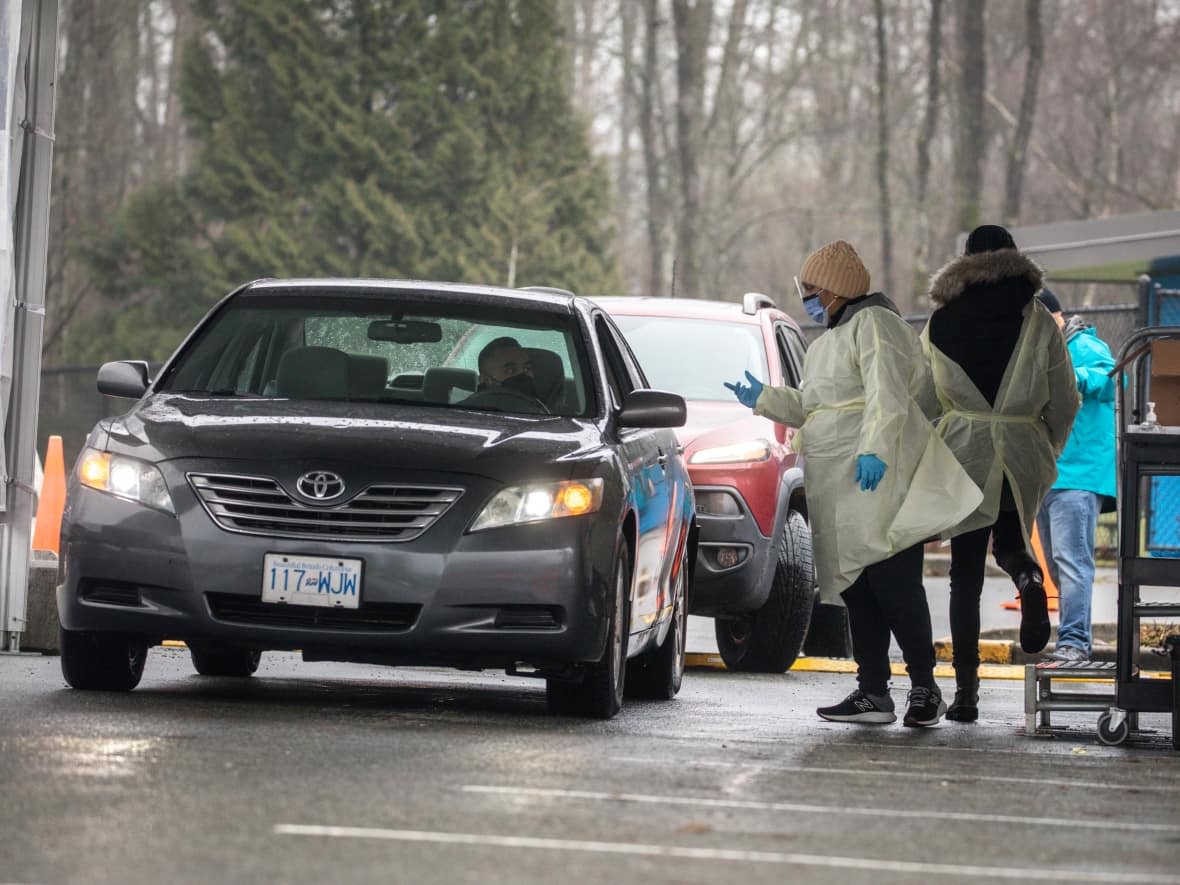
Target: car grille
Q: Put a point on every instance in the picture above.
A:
(371, 616)
(381, 512)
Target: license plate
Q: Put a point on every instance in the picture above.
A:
(311, 580)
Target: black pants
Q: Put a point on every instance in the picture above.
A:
(968, 558)
(889, 597)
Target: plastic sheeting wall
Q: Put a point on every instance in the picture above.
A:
(28, 65)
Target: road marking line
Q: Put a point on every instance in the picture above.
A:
(706, 802)
(1022, 874)
(950, 777)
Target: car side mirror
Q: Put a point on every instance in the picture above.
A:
(127, 378)
(652, 408)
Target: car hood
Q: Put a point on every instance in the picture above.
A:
(173, 426)
(711, 424)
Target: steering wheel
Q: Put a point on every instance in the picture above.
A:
(510, 398)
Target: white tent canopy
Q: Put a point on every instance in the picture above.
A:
(1113, 249)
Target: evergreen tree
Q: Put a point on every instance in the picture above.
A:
(426, 139)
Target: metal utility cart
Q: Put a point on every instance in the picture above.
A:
(1148, 472)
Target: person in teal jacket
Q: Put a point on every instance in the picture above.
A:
(1085, 476)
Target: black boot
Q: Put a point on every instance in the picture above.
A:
(1034, 611)
(965, 707)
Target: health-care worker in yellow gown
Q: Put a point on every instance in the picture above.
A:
(880, 481)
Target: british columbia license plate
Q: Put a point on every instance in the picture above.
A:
(311, 580)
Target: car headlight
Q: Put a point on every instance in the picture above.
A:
(739, 453)
(537, 502)
(123, 477)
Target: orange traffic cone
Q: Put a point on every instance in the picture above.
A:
(47, 535)
(1051, 592)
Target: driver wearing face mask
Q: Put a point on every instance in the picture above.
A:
(504, 363)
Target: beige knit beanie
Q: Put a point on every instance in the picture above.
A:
(836, 268)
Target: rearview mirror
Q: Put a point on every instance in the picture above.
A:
(127, 378)
(405, 331)
(653, 408)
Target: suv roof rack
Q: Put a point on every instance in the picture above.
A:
(752, 302)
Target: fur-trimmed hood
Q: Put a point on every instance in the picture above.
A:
(983, 267)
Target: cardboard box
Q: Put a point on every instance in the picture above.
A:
(1165, 381)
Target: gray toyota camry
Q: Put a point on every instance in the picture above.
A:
(387, 472)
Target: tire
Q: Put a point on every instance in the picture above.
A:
(211, 659)
(600, 693)
(769, 640)
(658, 673)
(828, 635)
(1112, 737)
(102, 661)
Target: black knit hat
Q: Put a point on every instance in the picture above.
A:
(1048, 299)
(989, 238)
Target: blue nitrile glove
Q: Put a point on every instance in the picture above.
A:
(869, 470)
(747, 394)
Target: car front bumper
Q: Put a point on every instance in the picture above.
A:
(532, 593)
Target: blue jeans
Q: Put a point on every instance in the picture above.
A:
(1066, 524)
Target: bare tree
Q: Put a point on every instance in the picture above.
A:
(883, 147)
(650, 135)
(972, 145)
(925, 139)
(1018, 148)
(693, 21)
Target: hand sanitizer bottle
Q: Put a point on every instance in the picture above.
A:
(1151, 422)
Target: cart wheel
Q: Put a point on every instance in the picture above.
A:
(1112, 737)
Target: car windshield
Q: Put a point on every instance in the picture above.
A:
(695, 358)
(386, 348)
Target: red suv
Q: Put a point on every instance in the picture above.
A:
(754, 572)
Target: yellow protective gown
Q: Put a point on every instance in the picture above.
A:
(1022, 435)
(867, 390)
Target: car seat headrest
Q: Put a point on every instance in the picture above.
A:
(313, 373)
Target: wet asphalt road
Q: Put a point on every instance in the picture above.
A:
(346, 773)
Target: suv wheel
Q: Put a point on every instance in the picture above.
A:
(211, 659)
(600, 693)
(657, 674)
(769, 640)
(102, 661)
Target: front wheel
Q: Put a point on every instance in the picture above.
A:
(600, 693)
(769, 640)
(102, 661)
(658, 673)
(211, 659)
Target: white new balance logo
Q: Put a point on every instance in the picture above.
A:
(865, 705)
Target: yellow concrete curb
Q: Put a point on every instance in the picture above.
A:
(991, 651)
(707, 661)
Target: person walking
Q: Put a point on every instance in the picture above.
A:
(1004, 379)
(879, 480)
(1085, 476)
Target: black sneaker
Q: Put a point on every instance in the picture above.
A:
(926, 707)
(860, 707)
(1034, 613)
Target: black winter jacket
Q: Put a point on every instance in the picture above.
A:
(979, 302)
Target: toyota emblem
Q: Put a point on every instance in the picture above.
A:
(320, 485)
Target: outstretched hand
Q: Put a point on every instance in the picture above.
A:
(747, 394)
(869, 470)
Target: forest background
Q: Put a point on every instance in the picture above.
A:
(701, 147)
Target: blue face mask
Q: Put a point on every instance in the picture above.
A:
(815, 310)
